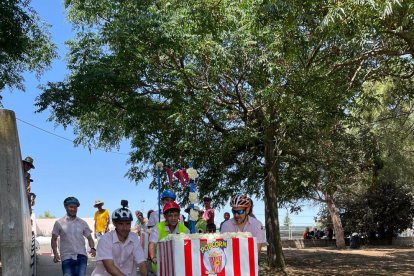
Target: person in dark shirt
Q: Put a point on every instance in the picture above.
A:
(226, 218)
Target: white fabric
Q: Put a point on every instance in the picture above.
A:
(125, 255)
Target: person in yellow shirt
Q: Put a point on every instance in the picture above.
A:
(101, 220)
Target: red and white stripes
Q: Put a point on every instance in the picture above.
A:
(184, 257)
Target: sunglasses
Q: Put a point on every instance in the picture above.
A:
(239, 212)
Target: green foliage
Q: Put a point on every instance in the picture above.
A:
(263, 97)
(287, 221)
(25, 44)
(46, 214)
(387, 208)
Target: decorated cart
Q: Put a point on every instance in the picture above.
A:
(225, 254)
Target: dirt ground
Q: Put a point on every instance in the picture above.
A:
(330, 261)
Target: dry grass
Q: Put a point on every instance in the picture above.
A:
(329, 261)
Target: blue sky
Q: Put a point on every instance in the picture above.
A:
(64, 170)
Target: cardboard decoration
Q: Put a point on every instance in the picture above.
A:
(221, 257)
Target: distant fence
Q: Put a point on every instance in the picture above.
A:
(292, 232)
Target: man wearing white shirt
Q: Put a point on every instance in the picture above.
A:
(242, 222)
(119, 251)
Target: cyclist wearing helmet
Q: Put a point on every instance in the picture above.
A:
(119, 251)
(166, 197)
(171, 225)
(72, 231)
(241, 222)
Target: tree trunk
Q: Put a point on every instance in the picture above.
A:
(274, 249)
(336, 220)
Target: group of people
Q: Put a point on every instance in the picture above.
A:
(317, 234)
(119, 251)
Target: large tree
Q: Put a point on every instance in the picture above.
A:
(25, 43)
(350, 43)
(239, 88)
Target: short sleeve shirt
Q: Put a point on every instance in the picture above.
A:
(125, 255)
(101, 220)
(209, 216)
(252, 225)
(72, 235)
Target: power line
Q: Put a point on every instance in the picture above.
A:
(64, 138)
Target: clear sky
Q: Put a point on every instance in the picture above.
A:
(63, 170)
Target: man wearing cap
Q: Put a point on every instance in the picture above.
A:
(170, 225)
(72, 232)
(208, 215)
(101, 218)
(27, 166)
(119, 251)
(166, 197)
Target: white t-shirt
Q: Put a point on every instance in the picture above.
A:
(125, 255)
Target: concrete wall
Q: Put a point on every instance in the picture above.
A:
(403, 241)
(15, 226)
(307, 243)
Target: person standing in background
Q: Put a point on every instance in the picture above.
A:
(72, 231)
(27, 166)
(101, 219)
(140, 223)
(208, 215)
(226, 218)
(167, 196)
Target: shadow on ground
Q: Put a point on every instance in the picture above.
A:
(365, 261)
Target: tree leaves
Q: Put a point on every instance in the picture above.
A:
(25, 43)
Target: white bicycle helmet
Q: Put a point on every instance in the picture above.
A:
(122, 214)
(241, 201)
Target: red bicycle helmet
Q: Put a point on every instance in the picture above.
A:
(170, 206)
